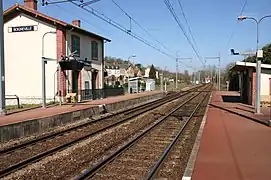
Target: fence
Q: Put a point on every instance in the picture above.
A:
(93, 94)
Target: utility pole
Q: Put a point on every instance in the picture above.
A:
(161, 81)
(219, 62)
(2, 63)
(176, 81)
(165, 79)
(177, 60)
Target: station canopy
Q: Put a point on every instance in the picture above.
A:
(75, 65)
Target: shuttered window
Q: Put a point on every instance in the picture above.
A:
(94, 50)
(75, 45)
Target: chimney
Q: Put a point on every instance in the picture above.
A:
(32, 4)
(76, 23)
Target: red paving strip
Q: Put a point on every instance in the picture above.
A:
(42, 113)
(232, 147)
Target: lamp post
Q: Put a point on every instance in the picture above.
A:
(133, 56)
(258, 61)
(43, 70)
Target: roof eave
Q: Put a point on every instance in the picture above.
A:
(20, 8)
(68, 26)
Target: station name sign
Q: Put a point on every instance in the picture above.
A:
(22, 29)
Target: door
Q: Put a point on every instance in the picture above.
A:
(93, 85)
(93, 80)
(75, 75)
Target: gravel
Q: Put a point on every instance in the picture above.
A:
(68, 162)
(141, 157)
(60, 128)
(42, 146)
(174, 165)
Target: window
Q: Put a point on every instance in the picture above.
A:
(75, 45)
(87, 85)
(94, 50)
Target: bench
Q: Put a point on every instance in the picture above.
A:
(71, 98)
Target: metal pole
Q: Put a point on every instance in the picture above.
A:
(219, 64)
(133, 56)
(43, 70)
(165, 79)
(43, 75)
(194, 74)
(258, 74)
(199, 78)
(59, 83)
(2, 63)
(176, 74)
(161, 82)
(258, 64)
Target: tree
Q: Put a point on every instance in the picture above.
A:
(266, 55)
(232, 77)
(152, 73)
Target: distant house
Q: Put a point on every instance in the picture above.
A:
(115, 73)
(147, 72)
(137, 72)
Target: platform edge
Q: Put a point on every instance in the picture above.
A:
(193, 156)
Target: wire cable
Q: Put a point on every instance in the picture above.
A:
(189, 29)
(140, 26)
(173, 13)
(72, 13)
(120, 27)
(235, 27)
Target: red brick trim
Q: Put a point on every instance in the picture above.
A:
(80, 82)
(61, 51)
(103, 64)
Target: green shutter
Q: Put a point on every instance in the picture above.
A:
(75, 44)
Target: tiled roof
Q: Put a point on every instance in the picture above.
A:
(16, 9)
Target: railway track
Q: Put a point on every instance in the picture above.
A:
(143, 155)
(32, 151)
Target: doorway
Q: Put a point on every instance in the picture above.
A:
(75, 75)
(93, 80)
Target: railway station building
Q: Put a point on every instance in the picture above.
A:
(247, 82)
(29, 35)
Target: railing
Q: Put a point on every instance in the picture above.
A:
(14, 97)
(93, 94)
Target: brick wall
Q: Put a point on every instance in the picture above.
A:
(61, 50)
(79, 82)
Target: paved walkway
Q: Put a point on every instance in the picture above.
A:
(233, 147)
(41, 113)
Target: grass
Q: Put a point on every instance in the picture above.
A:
(26, 106)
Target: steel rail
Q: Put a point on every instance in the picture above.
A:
(157, 166)
(54, 134)
(23, 163)
(92, 171)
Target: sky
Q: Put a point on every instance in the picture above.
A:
(213, 24)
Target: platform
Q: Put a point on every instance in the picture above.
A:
(235, 143)
(37, 120)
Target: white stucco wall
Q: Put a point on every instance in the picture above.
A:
(85, 52)
(23, 51)
(265, 86)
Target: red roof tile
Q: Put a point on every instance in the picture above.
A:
(16, 9)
